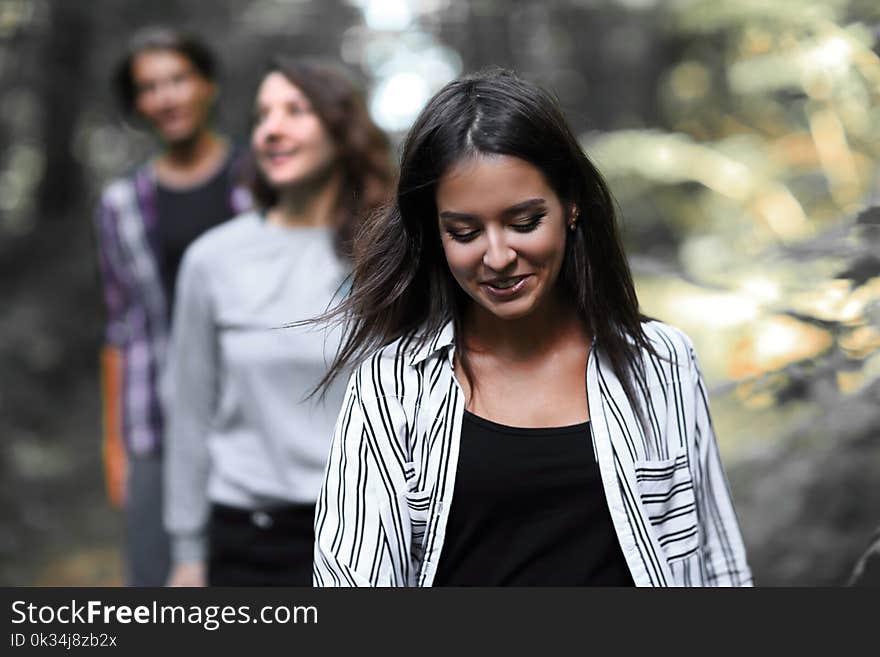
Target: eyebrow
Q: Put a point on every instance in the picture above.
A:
(295, 102)
(512, 210)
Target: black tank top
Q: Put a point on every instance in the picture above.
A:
(529, 509)
(184, 214)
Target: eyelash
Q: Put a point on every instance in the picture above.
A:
(532, 223)
(296, 110)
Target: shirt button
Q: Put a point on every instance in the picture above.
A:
(262, 519)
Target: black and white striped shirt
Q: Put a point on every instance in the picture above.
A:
(382, 512)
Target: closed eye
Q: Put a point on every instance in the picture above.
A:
(529, 224)
(295, 109)
(462, 236)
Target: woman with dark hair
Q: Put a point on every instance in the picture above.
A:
(513, 419)
(245, 450)
(145, 221)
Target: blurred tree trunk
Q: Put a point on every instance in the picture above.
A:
(63, 59)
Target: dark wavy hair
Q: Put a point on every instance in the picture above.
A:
(160, 38)
(363, 149)
(401, 283)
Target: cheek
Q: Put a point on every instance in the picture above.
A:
(308, 129)
(143, 105)
(256, 141)
(198, 91)
(462, 261)
(549, 248)
(326, 146)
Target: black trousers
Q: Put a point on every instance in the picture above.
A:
(261, 548)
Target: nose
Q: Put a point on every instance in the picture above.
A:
(268, 128)
(166, 94)
(498, 255)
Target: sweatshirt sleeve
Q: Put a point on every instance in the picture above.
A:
(191, 393)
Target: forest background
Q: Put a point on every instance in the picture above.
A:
(741, 140)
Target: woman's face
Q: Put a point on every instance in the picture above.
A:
(289, 140)
(171, 94)
(503, 232)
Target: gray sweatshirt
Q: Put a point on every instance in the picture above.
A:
(238, 431)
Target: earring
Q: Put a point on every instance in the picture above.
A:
(572, 225)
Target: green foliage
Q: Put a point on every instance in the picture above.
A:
(769, 155)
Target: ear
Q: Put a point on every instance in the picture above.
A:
(215, 91)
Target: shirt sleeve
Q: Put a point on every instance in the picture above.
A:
(112, 280)
(112, 360)
(190, 396)
(723, 547)
(351, 545)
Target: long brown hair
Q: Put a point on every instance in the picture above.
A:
(363, 149)
(401, 282)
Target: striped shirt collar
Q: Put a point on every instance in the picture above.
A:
(445, 338)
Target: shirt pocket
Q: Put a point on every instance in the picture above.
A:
(417, 504)
(666, 489)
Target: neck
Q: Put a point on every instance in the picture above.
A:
(540, 332)
(312, 203)
(192, 160)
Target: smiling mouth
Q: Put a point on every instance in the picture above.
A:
(505, 287)
(279, 156)
(506, 283)
(172, 116)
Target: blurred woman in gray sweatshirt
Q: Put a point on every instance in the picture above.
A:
(246, 450)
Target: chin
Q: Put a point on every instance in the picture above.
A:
(281, 181)
(179, 136)
(510, 310)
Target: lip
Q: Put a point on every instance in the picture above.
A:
(506, 292)
(173, 115)
(278, 157)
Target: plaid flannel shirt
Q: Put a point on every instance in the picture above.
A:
(137, 321)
